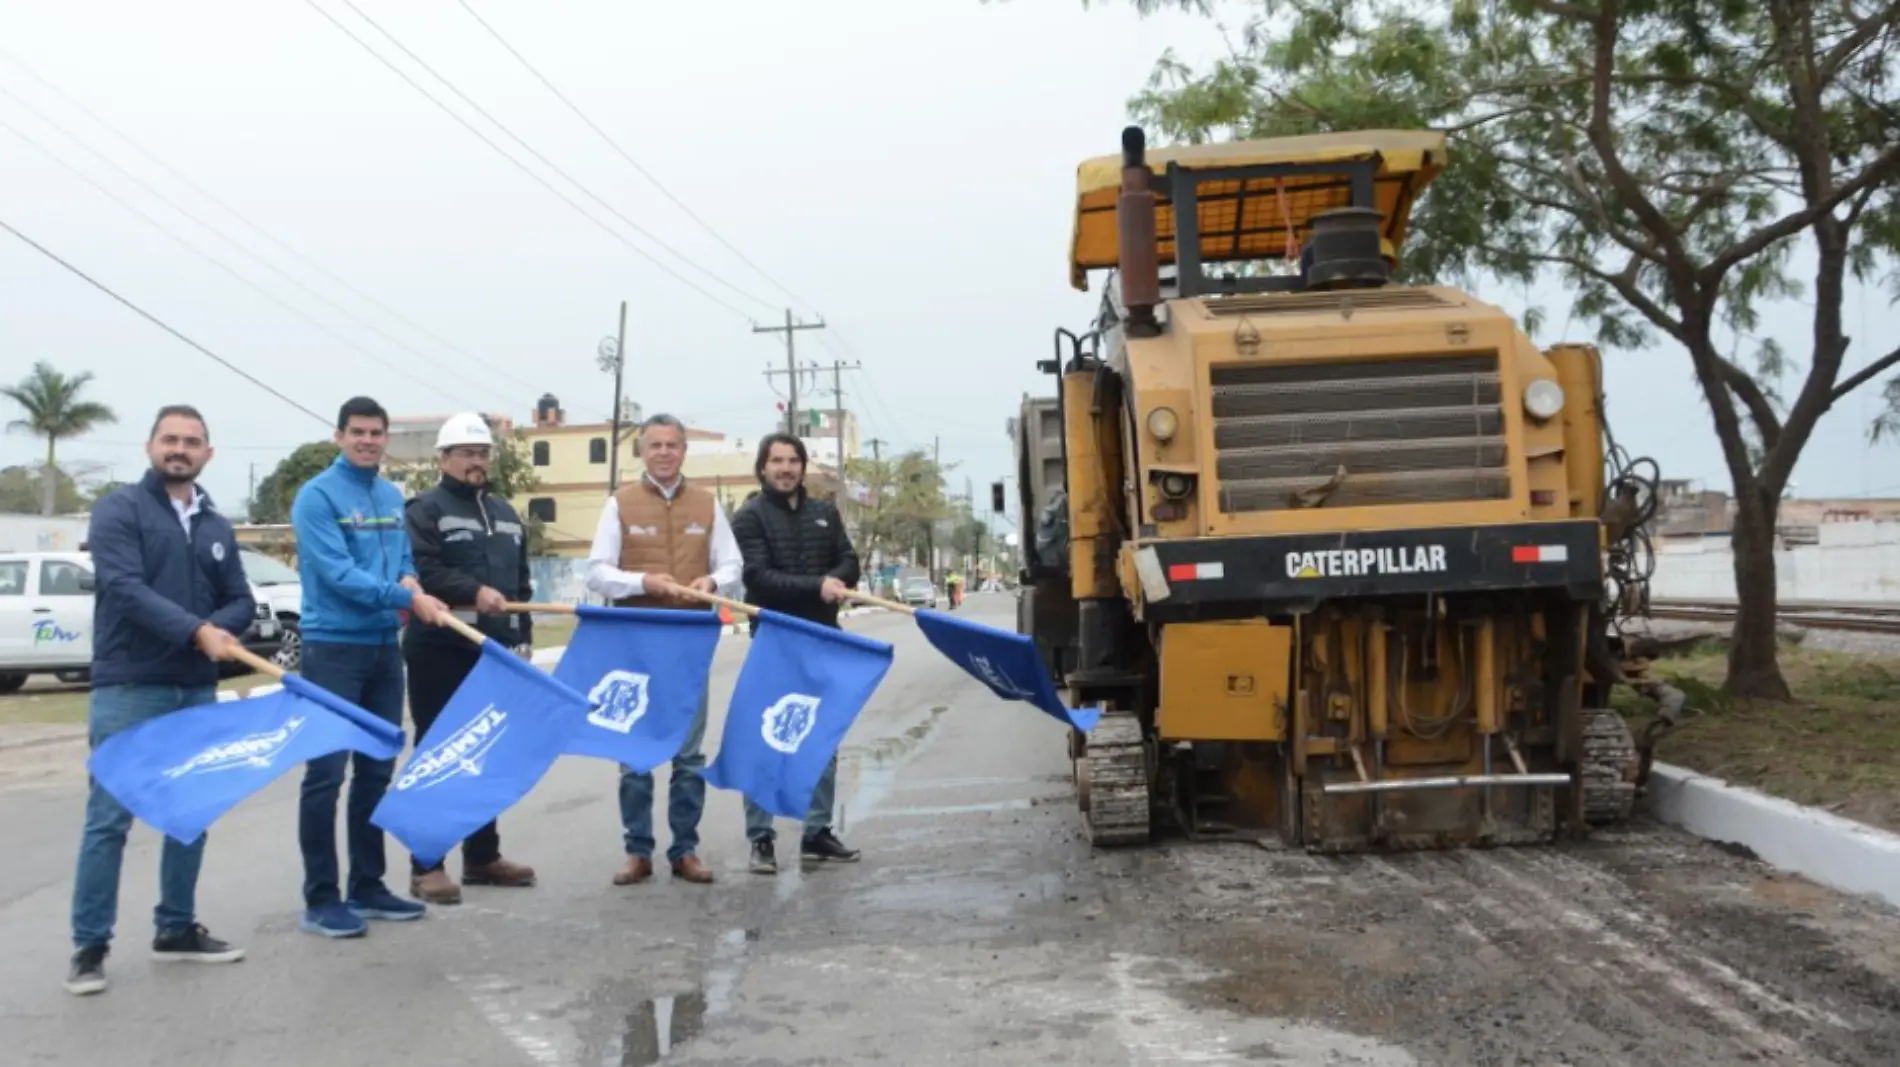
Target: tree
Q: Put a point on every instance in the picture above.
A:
(271, 504)
(54, 411)
(906, 492)
(22, 492)
(1664, 158)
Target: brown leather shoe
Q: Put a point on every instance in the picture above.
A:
(500, 872)
(435, 887)
(689, 868)
(636, 869)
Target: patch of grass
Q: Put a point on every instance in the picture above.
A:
(68, 704)
(1836, 746)
(553, 630)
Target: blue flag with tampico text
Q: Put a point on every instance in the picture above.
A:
(499, 733)
(184, 769)
(1005, 662)
(800, 690)
(644, 672)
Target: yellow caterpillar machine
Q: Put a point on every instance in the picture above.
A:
(1329, 550)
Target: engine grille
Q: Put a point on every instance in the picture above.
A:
(1411, 431)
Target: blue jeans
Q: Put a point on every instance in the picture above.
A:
(685, 799)
(369, 676)
(758, 821)
(102, 846)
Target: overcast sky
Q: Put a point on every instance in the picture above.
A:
(906, 169)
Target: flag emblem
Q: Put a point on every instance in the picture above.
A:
(789, 721)
(619, 699)
(461, 752)
(254, 751)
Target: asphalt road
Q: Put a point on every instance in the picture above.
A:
(980, 928)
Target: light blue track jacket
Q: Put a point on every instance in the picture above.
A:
(352, 549)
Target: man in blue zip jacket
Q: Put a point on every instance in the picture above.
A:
(169, 593)
(358, 575)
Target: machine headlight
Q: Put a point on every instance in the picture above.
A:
(1543, 398)
(1162, 422)
(1175, 485)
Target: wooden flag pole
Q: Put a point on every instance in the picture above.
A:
(878, 601)
(678, 590)
(256, 662)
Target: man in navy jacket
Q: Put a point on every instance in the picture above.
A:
(169, 594)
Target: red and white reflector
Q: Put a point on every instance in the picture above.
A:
(1195, 572)
(1540, 554)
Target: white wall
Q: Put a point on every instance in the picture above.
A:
(34, 533)
(1855, 562)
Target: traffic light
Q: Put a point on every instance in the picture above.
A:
(996, 497)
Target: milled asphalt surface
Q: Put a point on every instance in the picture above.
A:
(980, 928)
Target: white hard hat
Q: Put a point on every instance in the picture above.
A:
(464, 429)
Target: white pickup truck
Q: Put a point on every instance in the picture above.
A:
(46, 619)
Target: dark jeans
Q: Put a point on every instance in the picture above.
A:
(435, 671)
(369, 676)
(685, 798)
(102, 846)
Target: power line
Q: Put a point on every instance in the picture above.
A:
(221, 265)
(154, 320)
(611, 143)
(208, 195)
(485, 139)
(168, 202)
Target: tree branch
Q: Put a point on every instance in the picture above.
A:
(1866, 374)
(1885, 165)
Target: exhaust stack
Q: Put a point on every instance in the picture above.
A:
(1139, 259)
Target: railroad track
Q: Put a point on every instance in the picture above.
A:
(1858, 618)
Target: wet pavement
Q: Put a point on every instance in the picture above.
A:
(980, 928)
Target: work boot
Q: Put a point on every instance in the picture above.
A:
(825, 846)
(435, 887)
(499, 872)
(689, 868)
(635, 870)
(764, 857)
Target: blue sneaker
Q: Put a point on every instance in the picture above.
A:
(333, 920)
(382, 904)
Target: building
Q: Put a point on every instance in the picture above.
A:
(820, 434)
(572, 462)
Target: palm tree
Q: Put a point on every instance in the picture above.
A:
(54, 411)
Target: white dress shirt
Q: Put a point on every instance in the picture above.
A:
(605, 577)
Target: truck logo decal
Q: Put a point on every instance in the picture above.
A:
(46, 631)
(1353, 562)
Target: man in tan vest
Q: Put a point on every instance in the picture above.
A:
(657, 533)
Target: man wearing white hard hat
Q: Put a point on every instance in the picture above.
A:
(472, 554)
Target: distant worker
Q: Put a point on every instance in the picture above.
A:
(657, 533)
(954, 583)
(358, 573)
(169, 595)
(798, 561)
(471, 552)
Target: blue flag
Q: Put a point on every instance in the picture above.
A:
(182, 770)
(801, 688)
(644, 671)
(1008, 663)
(505, 725)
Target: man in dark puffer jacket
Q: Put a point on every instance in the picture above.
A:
(798, 561)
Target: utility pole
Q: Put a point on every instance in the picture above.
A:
(930, 531)
(612, 351)
(790, 329)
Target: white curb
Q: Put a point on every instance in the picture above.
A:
(1839, 853)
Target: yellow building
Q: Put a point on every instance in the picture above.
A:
(572, 463)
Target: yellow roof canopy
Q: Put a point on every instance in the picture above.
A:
(1255, 221)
